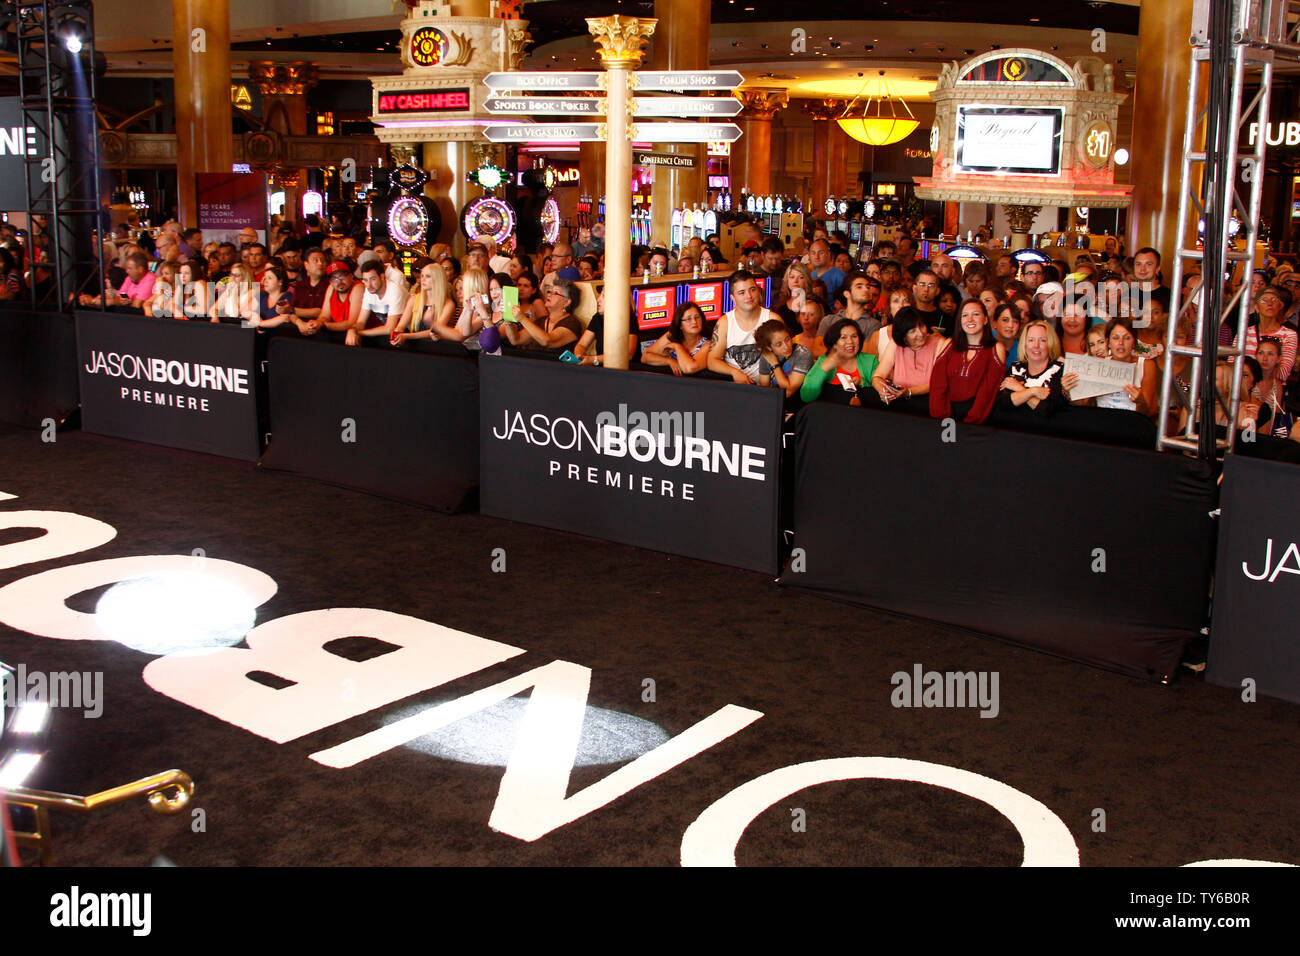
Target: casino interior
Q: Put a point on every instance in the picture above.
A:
(639, 615)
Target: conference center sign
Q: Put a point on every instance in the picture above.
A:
(691, 469)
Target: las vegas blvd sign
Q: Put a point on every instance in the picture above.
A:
(590, 132)
(586, 81)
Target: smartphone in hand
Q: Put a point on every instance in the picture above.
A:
(568, 358)
(509, 303)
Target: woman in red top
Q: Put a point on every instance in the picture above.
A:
(965, 379)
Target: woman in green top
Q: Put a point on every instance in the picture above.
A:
(844, 370)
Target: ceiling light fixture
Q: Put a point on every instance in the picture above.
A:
(872, 126)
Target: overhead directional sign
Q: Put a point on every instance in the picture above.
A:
(554, 81)
(687, 132)
(534, 132)
(567, 105)
(684, 80)
(686, 106)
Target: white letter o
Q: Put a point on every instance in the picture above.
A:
(711, 840)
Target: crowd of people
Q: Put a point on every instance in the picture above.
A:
(887, 329)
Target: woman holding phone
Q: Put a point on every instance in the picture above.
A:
(274, 303)
(902, 378)
(475, 311)
(844, 369)
(557, 331)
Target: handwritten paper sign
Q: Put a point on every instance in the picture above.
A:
(1098, 376)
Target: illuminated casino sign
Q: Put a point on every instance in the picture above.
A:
(425, 101)
(428, 47)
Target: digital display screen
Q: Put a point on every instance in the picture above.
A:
(998, 139)
(425, 101)
(654, 307)
(708, 296)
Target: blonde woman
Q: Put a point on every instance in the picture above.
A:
(795, 290)
(237, 298)
(160, 304)
(475, 310)
(430, 309)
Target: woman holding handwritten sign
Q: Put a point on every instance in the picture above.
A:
(1144, 397)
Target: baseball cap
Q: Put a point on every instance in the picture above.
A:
(751, 244)
(336, 266)
(1050, 288)
(365, 257)
(570, 273)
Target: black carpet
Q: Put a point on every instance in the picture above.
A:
(1179, 773)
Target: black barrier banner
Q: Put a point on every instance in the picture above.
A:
(669, 464)
(189, 385)
(1253, 636)
(1094, 553)
(391, 422)
(38, 360)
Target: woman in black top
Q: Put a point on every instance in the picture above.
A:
(1036, 383)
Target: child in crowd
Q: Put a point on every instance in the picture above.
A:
(784, 364)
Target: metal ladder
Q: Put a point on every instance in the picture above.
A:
(1234, 44)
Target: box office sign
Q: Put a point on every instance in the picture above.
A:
(669, 464)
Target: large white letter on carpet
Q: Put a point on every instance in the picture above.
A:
(326, 688)
(532, 800)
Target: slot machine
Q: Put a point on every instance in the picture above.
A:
(487, 218)
(709, 294)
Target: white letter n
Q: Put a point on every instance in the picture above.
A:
(532, 800)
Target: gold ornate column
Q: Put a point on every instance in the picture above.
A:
(681, 42)
(751, 155)
(283, 87)
(829, 169)
(1159, 117)
(619, 41)
(1021, 220)
(201, 64)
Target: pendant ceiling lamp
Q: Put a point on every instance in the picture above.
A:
(870, 123)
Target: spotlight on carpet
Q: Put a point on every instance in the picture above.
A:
(485, 738)
(174, 612)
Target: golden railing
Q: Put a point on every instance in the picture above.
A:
(168, 792)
